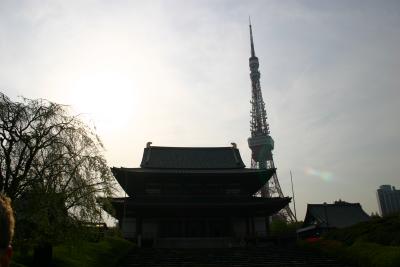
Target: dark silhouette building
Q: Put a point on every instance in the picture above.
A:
(321, 218)
(193, 196)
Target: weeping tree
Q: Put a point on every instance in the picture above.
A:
(52, 167)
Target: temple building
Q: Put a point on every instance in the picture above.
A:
(193, 196)
(321, 218)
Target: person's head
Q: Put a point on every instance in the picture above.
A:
(6, 230)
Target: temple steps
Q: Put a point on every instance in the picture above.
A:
(233, 257)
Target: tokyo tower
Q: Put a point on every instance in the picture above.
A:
(260, 142)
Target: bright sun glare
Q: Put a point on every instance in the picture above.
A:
(105, 97)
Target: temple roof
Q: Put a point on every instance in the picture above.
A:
(157, 157)
(135, 180)
(337, 215)
(133, 171)
(187, 205)
(191, 170)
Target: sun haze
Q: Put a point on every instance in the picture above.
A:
(176, 73)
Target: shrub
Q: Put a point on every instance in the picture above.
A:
(373, 255)
(363, 254)
(384, 231)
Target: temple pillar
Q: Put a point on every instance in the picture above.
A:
(253, 231)
(139, 227)
(267, 226)
(229, 229)
(247, 226)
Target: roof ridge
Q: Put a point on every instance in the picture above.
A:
(334, 204)
(192, 157)
(194, 147)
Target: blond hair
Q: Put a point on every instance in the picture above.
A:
(7, 222)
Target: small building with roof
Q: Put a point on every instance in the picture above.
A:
(321, 218)
(193, 196)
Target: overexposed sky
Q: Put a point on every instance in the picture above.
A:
(176, 73)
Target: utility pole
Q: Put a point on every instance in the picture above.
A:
(294, 201)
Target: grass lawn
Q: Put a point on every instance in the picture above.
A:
(85, 254)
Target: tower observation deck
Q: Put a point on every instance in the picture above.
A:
(260, 142)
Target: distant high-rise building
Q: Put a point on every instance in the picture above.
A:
(388, 199)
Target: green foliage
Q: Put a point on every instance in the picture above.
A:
(375, 243)
(104, 253)
(280, 227)
(384, 231)
(330, 247)
(374, 255)
(363, 254)
(52, 167)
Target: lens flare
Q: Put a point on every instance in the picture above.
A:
(324, 175)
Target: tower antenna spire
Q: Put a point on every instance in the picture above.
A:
(260, 141)
(253, 54)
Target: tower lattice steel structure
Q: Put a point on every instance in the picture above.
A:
(260, 142)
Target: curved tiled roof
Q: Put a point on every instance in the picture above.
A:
(338, 215)
(158, 157)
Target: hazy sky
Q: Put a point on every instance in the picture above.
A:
(176, 73)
